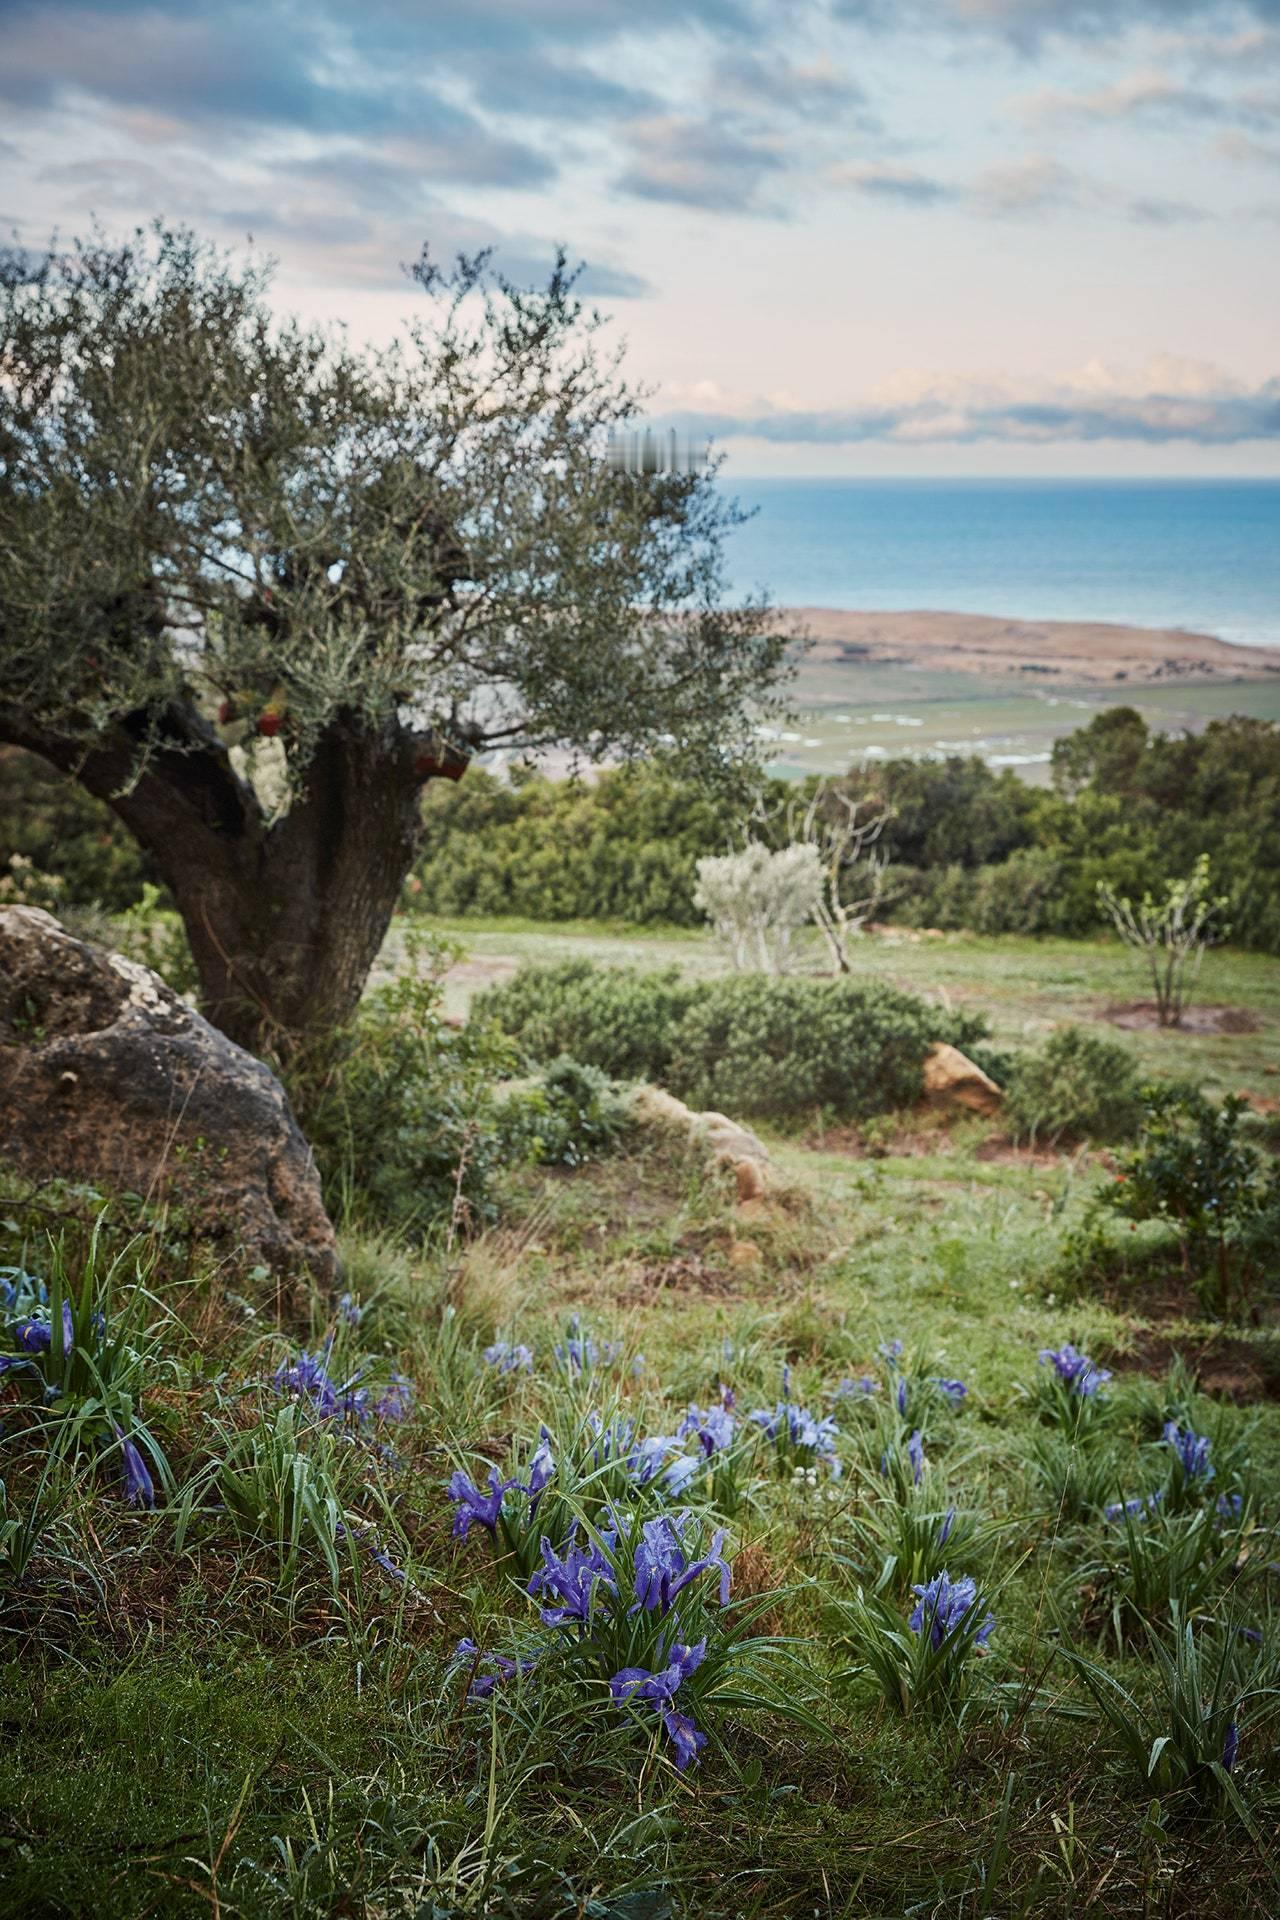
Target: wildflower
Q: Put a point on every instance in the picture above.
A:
(1075, 1369)
(915, 1454)
(139, 1488)
(864, 1387)
(482, 1684)
(570, 1582)
(663, 1569)
(1229, 1507)
(797, 1426)
(712, 1425)
(953, 1390)
(890, 1350)
(1230, 1748)
(580, 1354)
(657, 1689)
(472, 1504)
(541, 1468)
(508, 1359)
(1191, 1450)
(681, 1471)
(307, 1378)
(350, 1312)
(902, 1396)
(637, 1366)
(944, 1605)
(36, 1336)
(1132, 1509)
(948, 1521)
(397, 1401)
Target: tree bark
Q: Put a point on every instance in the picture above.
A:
(284, 919)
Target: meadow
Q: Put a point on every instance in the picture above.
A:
(590, 1565)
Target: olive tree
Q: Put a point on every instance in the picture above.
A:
(257, 585)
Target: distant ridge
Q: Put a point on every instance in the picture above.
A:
(1071, 652)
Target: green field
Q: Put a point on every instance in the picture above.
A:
(899, 710)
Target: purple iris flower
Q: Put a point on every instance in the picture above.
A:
(349, 1311)
(541, 1468)
(915, 1454)
(396, 1402)
(1140, 1505)
(1230, 1747)
(865, 1387)
(483, 1684)
(890, 1350)
(944, 1605)
(1229, 1507)
(902, 1396)
(953, 1390)
(798, 1426)
(569, 1582)
(658, 1688)
(948, 1521)
(684, 1737)
(507, 1358)
(579, 1353)
(1191, 1450)
(36, 1336)
(663, 1569)
(1076, 1369)
(306, 1377)
(139, 1488)
(712, 1425)
(472, 1504)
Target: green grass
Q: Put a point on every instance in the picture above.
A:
(182, 1737)
(197, 1722)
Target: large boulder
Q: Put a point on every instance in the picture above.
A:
(106, 1075)
(952, 1079)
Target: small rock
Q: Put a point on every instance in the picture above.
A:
(745, 1256)
(951, 1079)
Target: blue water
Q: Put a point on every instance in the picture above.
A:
(1204, 555)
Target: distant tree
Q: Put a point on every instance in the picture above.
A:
(258, 586)
(1108, 754)
(846, 835)
(757, 900)
(1172, 931)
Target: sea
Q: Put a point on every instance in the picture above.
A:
(1201, 555)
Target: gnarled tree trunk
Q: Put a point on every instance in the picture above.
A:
(284, 918)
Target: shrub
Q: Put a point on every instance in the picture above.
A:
(750, 1044)
(616, 1018)
(573, 1115)
(403, 1117)
(1079, 1087)
(1191, 1168)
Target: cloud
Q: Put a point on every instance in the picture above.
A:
(1018, 189)
(1174, 403)
(1150, 96)
(902, 184)
(696, 163)
(1027, 24)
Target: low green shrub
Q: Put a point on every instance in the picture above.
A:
(403, 1116)
(1079, 1087)
(748, 1044)
(573, 1114)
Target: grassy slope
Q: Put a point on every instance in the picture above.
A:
(170, 1722)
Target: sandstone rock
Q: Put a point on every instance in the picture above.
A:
(951, 1079)
(106, 1075)
(720, 1140)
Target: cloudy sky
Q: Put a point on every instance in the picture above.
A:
(859, 236)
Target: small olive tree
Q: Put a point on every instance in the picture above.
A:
(258, 585)
(845, 833)
(756, 900)
(1172, 931)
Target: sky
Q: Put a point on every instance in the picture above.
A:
(859, 237)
